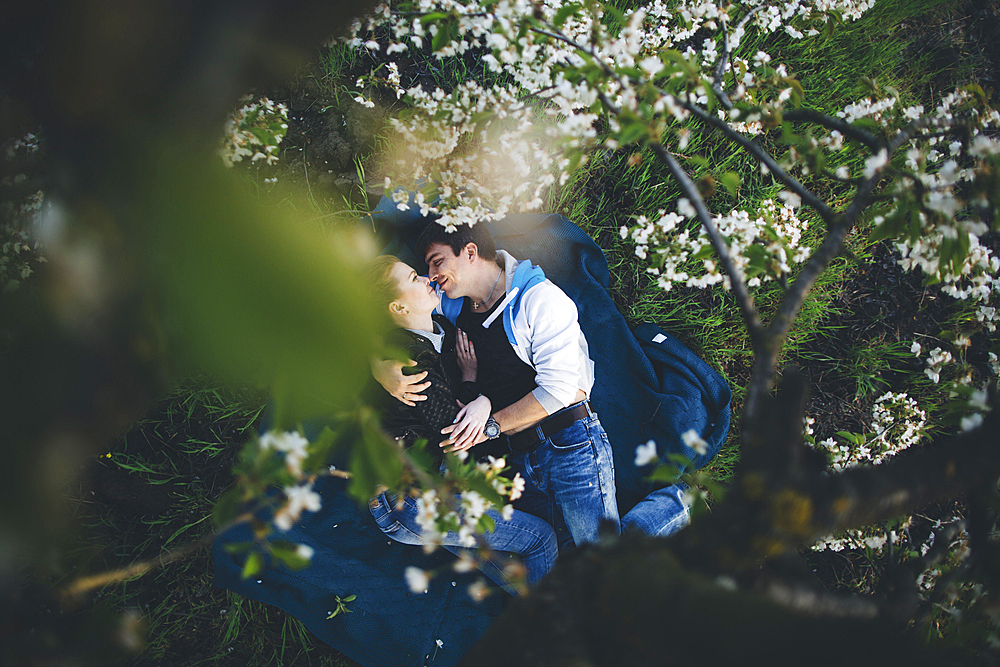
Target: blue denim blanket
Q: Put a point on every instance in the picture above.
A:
(647, 386)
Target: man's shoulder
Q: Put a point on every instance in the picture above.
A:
(547, 292)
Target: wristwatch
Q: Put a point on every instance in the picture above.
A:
(492, 429)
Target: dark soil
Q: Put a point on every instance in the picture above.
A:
(881, 304)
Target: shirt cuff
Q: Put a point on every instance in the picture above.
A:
(548, 402)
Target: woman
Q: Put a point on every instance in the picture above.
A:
(449, 359)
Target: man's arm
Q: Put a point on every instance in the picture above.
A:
(556, 350)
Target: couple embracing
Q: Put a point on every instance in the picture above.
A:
(492, 332)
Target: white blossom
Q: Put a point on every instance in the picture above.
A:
(646, 454)
(694, 441)
(417, 580)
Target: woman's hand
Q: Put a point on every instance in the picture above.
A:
(467, 430)
(466, 357)
(404, 388)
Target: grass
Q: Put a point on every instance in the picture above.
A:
(186, 446)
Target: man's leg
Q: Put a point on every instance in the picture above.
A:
(535, 499)
(580, 476)
(661, 513)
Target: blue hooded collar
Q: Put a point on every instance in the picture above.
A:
(525, 277)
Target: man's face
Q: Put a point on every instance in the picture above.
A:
(447, 269)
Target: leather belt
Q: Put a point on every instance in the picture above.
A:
(530, 438)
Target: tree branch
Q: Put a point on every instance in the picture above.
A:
(739, 288)
(772, 510)
(751, 147)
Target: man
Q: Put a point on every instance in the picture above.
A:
(535, 368)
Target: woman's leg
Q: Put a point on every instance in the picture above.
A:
(525, 535)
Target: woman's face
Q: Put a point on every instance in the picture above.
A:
(415, 292)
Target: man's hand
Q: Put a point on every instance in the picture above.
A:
(466, 357)
(467, 430)
(404, 388)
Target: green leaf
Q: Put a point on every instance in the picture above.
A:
(798, 93)
(350, 598)
(441, 38)
(436, 16)
(632, 132)
(699, 161)
(263, 136)
(679, 460)
(254, 564)
(730, 181)
(237, 547)
(704, 252)
(713, 100)
(893, 224)
(289, 556)
(420, 457)
(486, 523)
(612, 16)
(485, 489)
(319, 449)
(374, 461)
(664, 473)
(564, 13)
(225, 507)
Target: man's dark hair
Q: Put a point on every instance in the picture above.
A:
(458, 239)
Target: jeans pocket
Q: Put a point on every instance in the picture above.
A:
(573, 436)
(390, 527)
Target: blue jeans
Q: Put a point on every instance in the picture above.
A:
(571, 473)
(661, 513)
(525, 535)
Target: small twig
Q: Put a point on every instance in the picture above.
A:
(808, 602)
(305, 168)
(831, 123)
(720, 69)
(588, 50)
(83, 585)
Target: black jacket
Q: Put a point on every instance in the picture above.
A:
(426, 418)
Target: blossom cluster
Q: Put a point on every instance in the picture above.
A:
(515, 164)
(862, 539)
(938, 225)
(773, 229)
(898, 423)
(20, 249)
(494, 149)
(466, 514)
(971, 403)
(20, 253)
(254, 130)
(293, 449)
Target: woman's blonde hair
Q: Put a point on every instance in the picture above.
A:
(380, 280)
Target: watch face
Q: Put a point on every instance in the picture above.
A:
(492, 429)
